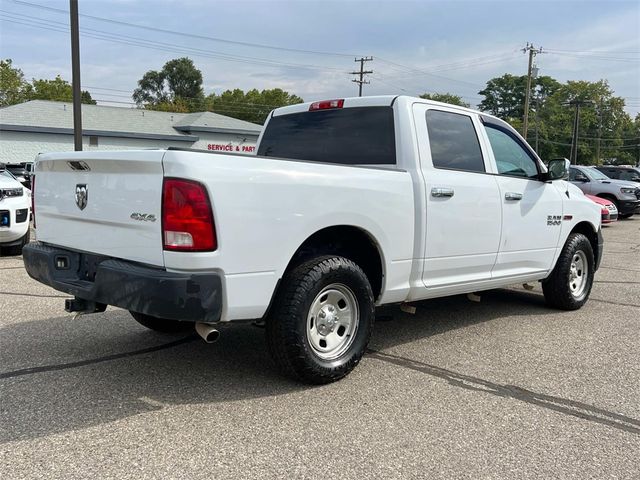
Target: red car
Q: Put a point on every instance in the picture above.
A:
(608, 208)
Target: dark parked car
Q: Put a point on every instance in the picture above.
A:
(625, 194)
(631, 174)
(22, 174)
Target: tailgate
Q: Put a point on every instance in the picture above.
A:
(108, 203)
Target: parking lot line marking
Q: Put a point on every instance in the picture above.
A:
(34, 295)
(153, 403)
(107, 358)
(610, 302)
(620, 268)
(558, 404)
(616, 281)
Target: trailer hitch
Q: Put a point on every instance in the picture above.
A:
(80, 306)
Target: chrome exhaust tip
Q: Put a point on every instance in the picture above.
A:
(208, 333)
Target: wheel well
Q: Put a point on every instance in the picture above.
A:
(347, 241)
(587, 230)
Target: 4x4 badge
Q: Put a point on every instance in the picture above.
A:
(82, 195)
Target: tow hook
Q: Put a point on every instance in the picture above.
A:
(80, 306)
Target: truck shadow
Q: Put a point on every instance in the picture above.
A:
(99, 370)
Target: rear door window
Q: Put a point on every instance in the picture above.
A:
(350, 136)
(453, 141)
(612, 173)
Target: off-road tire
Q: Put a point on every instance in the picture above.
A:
(556, 287)
(161, 325)
(286, 327)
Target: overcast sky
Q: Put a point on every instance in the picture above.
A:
(418, 46)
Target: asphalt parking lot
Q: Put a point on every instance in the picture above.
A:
(503, 388)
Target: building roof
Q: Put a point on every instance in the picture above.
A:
(57, 117)
(214, 122)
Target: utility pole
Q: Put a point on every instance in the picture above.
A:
(537, 121)
(75, 75)
(361, 73)
(576, 126)
(600, 110)
(532, 53)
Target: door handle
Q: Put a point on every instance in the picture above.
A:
(440, 192)
(513, 196)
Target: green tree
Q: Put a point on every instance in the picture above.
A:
(57, 89)
(13, 87)
(252, 106)
(177, 87)
(604, 124)
(504, 96)
(631, 145)
(446, 98)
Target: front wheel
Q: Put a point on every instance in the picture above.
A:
(17, 249)
(569, 285)
(321, 320)
(161, 324)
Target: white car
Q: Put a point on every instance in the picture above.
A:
(347, 205)
(15, 211)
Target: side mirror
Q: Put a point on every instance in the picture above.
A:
(558, 169)
(581, 178)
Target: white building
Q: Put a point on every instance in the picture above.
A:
(41, 126)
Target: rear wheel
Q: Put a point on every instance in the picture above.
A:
(321, 320)
(569, 285)
(161, 324)
(625, 215)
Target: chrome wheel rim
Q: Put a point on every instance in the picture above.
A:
(332, 322)
(578, 274)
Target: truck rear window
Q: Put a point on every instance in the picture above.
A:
(351, 136)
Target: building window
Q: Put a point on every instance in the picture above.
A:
(93, 141)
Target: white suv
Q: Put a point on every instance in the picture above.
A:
(15, 210)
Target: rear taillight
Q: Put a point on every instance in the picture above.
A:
(326, 105)
(187, 220)
(33, 199)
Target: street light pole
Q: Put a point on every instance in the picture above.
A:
(75, 75)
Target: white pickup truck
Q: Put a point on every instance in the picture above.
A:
(348, 204)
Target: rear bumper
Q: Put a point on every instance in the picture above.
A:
(195, 297)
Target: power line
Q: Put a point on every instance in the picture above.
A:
(463, 64)
(413, 70)
(167, 47)
(592, 51)
(622, 147)
(183, 34)
(381, 78)
(593, 57)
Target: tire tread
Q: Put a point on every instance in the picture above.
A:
(556, 287)
(287, 347)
